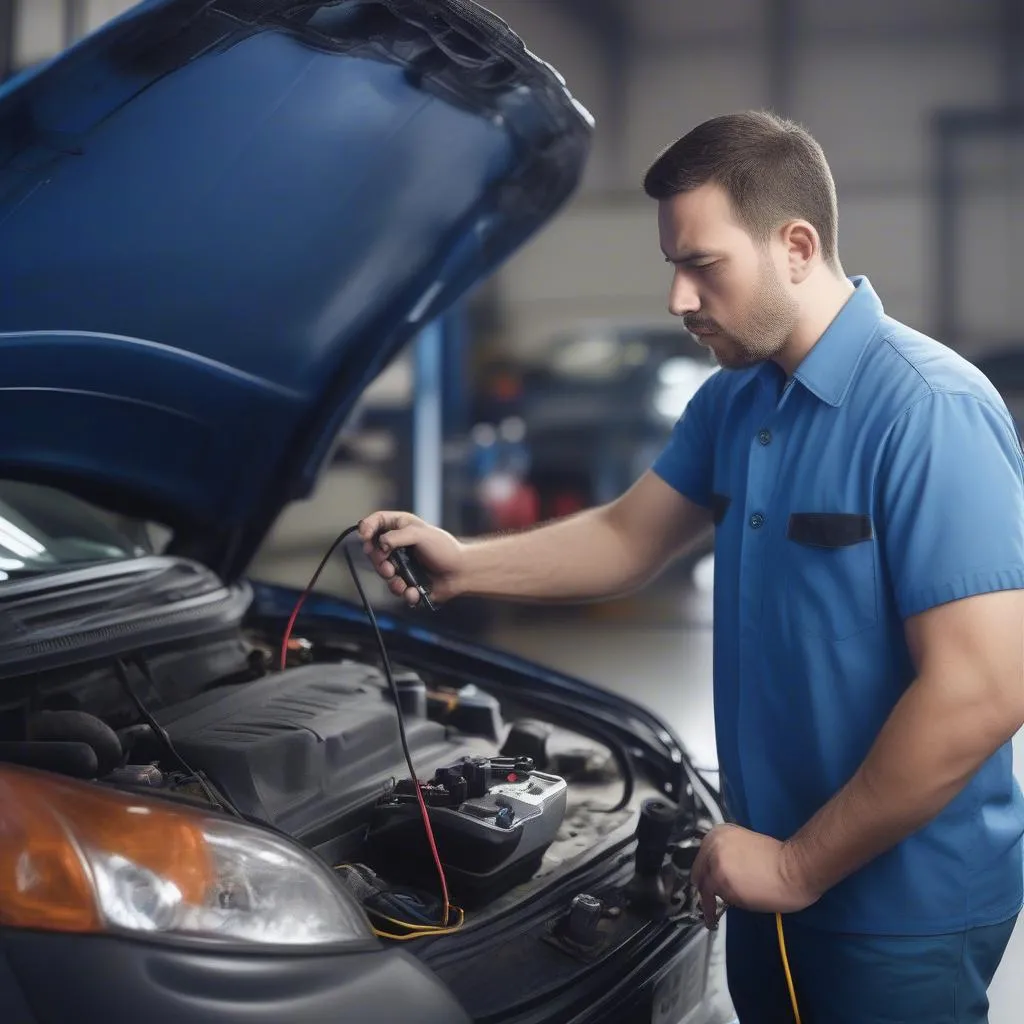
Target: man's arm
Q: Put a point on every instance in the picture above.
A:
(951, 502)
(596, 554)
(966, 702)
(600, 553)
(951, 492)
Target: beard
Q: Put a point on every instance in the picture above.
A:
(760, 332)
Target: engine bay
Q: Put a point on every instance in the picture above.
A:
(314, 751)
(542, 823)
(546, 827)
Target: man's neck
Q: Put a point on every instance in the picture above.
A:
(824, 299)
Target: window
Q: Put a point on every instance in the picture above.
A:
(46, 530)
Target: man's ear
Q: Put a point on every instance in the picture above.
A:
(802, 246)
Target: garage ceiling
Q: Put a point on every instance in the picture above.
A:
(670, 20)
(664, 22)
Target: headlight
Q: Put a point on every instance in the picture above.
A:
(76, 857)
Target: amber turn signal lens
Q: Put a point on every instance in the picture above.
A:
(47, 827)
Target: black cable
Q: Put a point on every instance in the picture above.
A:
(381, 646)
(388, 674)
(217, 799)
(621, 754)
(309, 589)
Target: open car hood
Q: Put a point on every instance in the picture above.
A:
(220, 218)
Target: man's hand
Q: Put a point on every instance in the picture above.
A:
(438, 551)
(749, 871)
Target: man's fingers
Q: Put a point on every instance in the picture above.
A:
(382, 521)
(709, 905)
(382, 565)
(399, 588)
(399, 538)
(702, 879)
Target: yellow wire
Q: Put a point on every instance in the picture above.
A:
(419, 932)
(430, 928)
(785, 967)
(391, 937)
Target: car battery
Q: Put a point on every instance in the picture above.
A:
(492, 820)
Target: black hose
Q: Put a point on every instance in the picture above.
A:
(78, 727)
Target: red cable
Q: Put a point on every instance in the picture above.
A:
(415, 781)
(433, 850)
(302, 599)
(291, 625)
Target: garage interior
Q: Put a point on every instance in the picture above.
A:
(919, 106)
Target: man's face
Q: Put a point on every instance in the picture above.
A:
(725, 285)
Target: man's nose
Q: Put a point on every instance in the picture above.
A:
(683, 297)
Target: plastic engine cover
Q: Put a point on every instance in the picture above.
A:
(300, 748)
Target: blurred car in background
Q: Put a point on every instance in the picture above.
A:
(582, 422)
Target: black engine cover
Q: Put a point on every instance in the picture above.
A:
(301, 748)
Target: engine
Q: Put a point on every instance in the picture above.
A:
(316, 752)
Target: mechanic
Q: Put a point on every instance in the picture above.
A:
(867, 489)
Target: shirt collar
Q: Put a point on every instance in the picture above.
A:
(827, 370)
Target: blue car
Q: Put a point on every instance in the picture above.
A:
(218, 220)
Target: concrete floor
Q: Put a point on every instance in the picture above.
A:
(667, 666)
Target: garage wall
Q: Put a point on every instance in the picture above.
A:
(41, 26)
(38, 30)
(866, 79)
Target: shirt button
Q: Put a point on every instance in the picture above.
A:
(765, 437)
(756, 521)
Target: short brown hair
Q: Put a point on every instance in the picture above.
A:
(771, 168)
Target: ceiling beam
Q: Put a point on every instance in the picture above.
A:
(1011, 31)
(7, 28)
(781, 40)
(609, 25)
(74, 21)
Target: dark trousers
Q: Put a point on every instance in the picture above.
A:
(861, 979)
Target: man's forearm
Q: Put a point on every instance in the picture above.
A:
(580, 558)
(934, 741)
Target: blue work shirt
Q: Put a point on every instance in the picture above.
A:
(884, 478)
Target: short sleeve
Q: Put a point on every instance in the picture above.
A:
(687, 461)
(951, 502)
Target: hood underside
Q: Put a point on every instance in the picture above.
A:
(219, 220)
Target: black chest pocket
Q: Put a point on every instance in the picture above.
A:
(830, 579)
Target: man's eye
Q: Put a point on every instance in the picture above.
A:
(705, 266)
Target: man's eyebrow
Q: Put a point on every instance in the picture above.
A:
(689, 257)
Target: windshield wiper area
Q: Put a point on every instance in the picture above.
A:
(60, 615)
